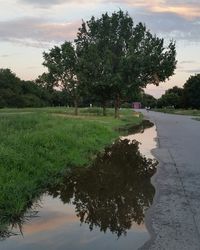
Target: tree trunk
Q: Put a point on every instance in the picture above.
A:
(75, 106)
(117, 103)
(104, 109)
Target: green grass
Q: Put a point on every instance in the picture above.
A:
(192, 112)
(36, 145)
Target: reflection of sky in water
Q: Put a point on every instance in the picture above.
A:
(146, 139)
(58, 227)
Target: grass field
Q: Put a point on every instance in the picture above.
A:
(36, 145)
(192, 112)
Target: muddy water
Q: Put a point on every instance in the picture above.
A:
(99, 207)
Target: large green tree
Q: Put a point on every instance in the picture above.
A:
(192, 92)
(117, 57)
(61, 62)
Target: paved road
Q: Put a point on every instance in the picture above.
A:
(174, 218)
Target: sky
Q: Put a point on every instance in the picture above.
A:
(30, 27)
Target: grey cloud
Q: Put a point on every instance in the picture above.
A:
(4, 55)
(192, 71)
(170, 25)
(50, 3)
(187, 62)
(180, 2)
(43, 3)
(36, 32)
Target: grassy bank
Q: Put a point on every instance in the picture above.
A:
(37, 144)
(192, 112)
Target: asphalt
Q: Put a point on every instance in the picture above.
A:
(174, 218)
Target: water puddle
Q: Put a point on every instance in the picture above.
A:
(99, 207)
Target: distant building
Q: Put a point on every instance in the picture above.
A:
(137, 105)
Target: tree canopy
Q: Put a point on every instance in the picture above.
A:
(18, 93)
(61, 62)
(192, 92)
(117, 57)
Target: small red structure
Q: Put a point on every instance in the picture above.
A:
(137, 105)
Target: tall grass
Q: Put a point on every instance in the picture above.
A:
(38, 144)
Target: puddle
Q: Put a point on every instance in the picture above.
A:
(99, 207)
(146, 139)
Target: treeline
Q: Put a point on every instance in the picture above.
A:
(15, 92)
(186, 97)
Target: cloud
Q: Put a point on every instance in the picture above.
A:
(37, 32)
(4, 55)
(50, 3)
(187, 9)
(170, 25)
(192, 71)
(187, 62)
(41, 32)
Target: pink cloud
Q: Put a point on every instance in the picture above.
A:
(37, 32)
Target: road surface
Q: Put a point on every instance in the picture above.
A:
(174, 218)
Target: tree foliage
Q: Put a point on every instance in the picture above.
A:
(192, 92)
(61, 62)
(169, 100)
(18, 93)
(173, 97)
(117, 57)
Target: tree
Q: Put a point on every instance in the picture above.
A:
(176, 90)
(62, 70)
(148, 100)
(169, 99)
(15, 92)
(172, 97)
(9, 88)
(192, 91)
(117, 57)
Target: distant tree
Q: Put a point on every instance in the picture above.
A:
(169, 99)
(117, 57)
(176, 90)
(148, 100)
(62, 70)
(9, 88)
(172, 97)
(15, 92)
(192, 92)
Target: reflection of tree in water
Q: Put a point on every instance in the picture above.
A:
(111, 194)
(114, 192)
(133, 129)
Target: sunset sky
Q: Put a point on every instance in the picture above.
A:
(28, 27)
